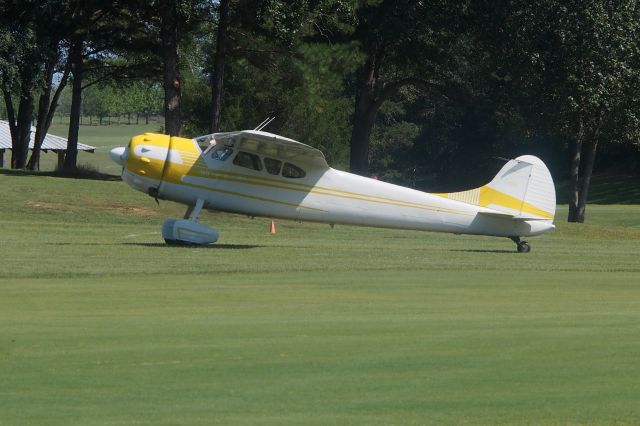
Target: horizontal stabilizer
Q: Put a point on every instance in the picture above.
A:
(495, 214)
(501, 214)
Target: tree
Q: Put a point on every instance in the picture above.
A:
(575, 68)
(20, 59)
(148, 97)
(265, 35)
(76, 55)
(403, 43)
(33, 53)
(171, 72)
(174, 24)
(52, 30)
(218, 65)
(107, 44)
(46, 105)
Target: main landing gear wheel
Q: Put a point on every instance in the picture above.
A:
(522, 246)
(187, 232)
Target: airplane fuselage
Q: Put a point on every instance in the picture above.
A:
(181, 171)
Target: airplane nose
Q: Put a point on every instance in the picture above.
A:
(119, 155)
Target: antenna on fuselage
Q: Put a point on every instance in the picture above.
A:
(264, 124)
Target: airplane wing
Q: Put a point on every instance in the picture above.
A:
(272, 145)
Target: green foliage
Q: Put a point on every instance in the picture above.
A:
(571, 65)
(478, 81)
(392, 142)
(318, 109)
(575, 62)
(22, 41)
(137, 97)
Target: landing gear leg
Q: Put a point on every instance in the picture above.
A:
(193, 212)
(523, 246)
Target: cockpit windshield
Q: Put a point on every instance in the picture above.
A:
(218, 151)
(205, 142)
(215, 149)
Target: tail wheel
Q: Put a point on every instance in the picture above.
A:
(523, 246)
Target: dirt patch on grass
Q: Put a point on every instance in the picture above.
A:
(120, 210)
(135, 211)
(44, 205)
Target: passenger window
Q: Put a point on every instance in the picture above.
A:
(250, 161)
(272, 165)
(291, 171)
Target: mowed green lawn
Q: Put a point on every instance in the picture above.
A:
(102, 324)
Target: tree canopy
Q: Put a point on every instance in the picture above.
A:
(422, 93)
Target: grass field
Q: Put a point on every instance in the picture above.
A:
(102, 324)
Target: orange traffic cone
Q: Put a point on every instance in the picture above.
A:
(272, 228)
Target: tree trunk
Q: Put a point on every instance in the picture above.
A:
(71, 157)
(218, 67)
(172, 89)
(21, 147)
(587, 172)
(43, 109)
(574, 170)
(43, 112)
(363, 121)
(20, 126)
(364, 117)
(11, 118)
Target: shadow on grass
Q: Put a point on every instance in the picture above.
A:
(485, 251)
(209, 246)
(82, 172)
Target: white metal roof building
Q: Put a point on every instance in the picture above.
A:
(51, 142)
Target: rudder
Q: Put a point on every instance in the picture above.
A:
(523, 188)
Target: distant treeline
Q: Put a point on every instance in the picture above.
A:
(137, 103)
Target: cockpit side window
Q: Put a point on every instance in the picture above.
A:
(272, 165)
(248, 160)
(292, 171)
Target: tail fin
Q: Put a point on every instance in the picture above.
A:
(523, 188)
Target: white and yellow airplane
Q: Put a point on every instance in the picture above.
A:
(256, 173)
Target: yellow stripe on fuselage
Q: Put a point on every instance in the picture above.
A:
(490, 196)
(251, 197)
(487, 196)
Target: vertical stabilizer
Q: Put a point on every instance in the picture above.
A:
(523, 188)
